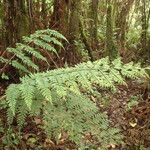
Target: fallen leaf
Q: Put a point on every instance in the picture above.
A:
(37, 121)
(133, 124)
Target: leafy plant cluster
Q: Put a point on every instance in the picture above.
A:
(60, 97)
(25, 53)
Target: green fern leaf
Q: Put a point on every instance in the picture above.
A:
(12, 97)
(19, 66)
(43, 87)
(31, 50)
(3, 60)
(23, 58)
(27, 94)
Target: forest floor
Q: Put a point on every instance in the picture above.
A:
(123, 112)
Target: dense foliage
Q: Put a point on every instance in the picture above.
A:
(60, 96)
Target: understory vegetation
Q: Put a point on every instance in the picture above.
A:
(73, 78)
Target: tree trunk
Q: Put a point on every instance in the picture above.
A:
(60, 16)
(2, 27)
(44, 13)
(93, 24)
(121, 25)
(144, 49)
(66, 20)
(15, 21)
(74, 32)
(22, 22)
(30, 15)
(111, 50)
(9, 22)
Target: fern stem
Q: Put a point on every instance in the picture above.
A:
(2, 70)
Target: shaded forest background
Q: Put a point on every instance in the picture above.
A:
(93, 28)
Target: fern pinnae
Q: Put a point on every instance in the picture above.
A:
(19, 66)
(132, 71)
(27, 40)
(47, 38)
(22, 112)
(44, 45)
(43, 87)
(12, 97)
(36, 109)
(23, 58)
(10, 116)
(26, 60)
(27, 94)
(3, 60)
(31, 50)
(106, 82)
(117, 77)
(55, 41)
(140, 71)
(60, 88)
(56, 34)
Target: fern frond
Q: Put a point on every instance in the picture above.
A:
(61, 95)
(24, 53)
(133, 71)
(46, 38)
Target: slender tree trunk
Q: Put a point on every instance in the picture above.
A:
(60, 16)
(30, 15)
(66, 20)
(93, 24)
(86, 42)
(15, 22)
(74, 21)
(144, 29)
(22, 22)
(121, 25)
(2, 27)
(44, 13)
(111, 50)
(74, 32)
(9, 22)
